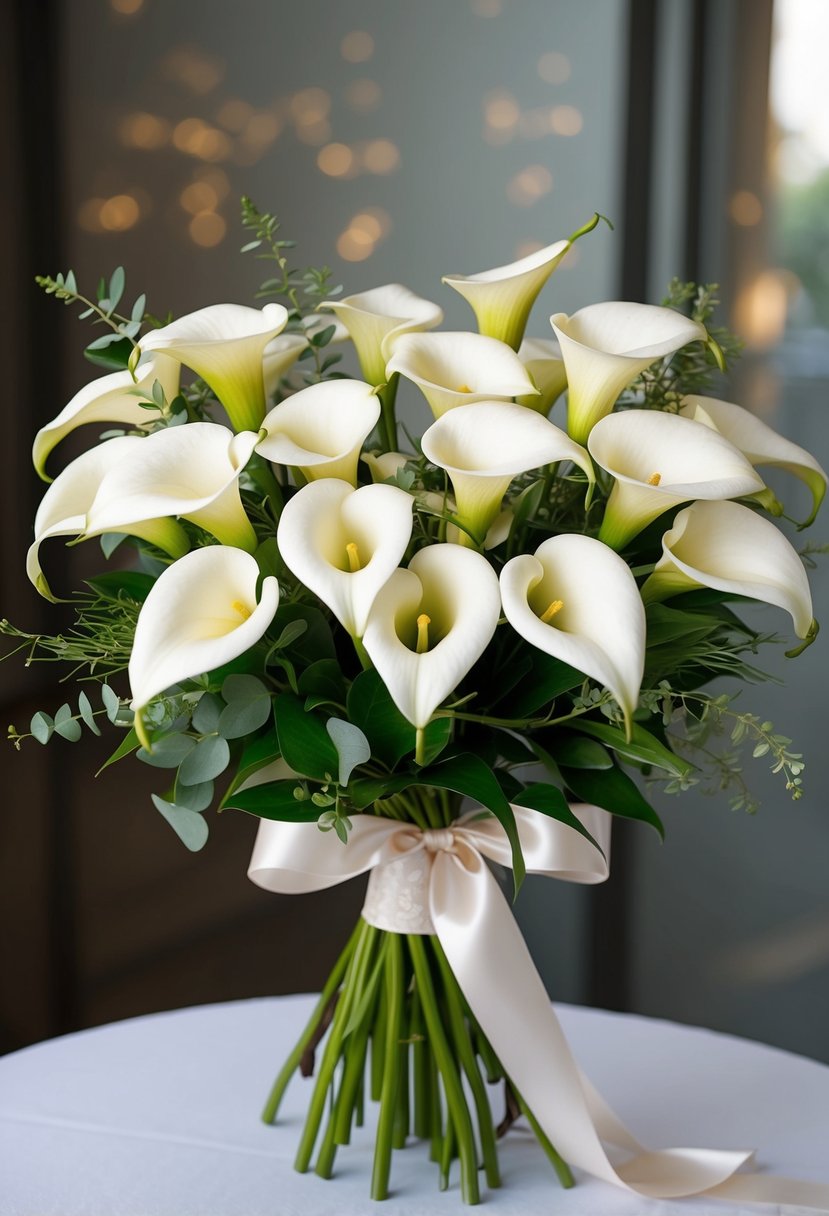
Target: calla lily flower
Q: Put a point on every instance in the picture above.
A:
(279, 356)
(606, 346)
(430, 624)
(108, 399)
(731, 548)
(343, 544)
(189, 471)
(376, 319)
(759, 443)
(65, 506)
(543, 361)
(577, 600)
(383, 465)
(453, 369)
(659, 461)
(201, 613)
(225, 345)
(483, 446)
(321, 429)
(502, 298)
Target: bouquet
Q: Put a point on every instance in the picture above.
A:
(411, 656)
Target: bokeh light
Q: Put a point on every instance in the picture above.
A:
(207, 229)
(357, 47)
(529, 185)
(566, 120)
(554, 67)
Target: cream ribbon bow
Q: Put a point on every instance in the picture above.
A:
(436, 882)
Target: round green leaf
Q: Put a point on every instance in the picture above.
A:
(207, 760)
(41, 727)
(168, 751)
(188, 825)
(206, 715)
(241, 718)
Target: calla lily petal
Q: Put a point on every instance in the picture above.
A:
(225, 344)
(660, 460)
(383, 465)
(279, 357)
(65, 505)
(543, 361)
(376, 319)
(190, 471)
(759, 443)
(502, 298)
(430, 624)
(577, 600)
(453, 369)
(110, 398)
(201, 613)
(483, 446)
(731, 548)
(343, 544)
(606, 346)
(321, 429)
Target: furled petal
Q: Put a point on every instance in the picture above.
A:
(483, 446)
(759, 443)
(543, 361)
(383, 465)
(65, 505)
(731, 548)
(190, 471)
(376, 319)
(660, 460)
(502, 298)
(453, 369)
(596, 619)
(225, 344)
(321, 429)
(110, 398)
(200, 614)
(279, 356)
(455, 592)
(328, 528)
(606, 346)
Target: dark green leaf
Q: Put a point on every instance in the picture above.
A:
(208, 759)
(322, 684)
(666, 624)
(127, 745)
(547, 679)
(190, 827)
(131, 583)
(114, 358)
(303, 740)
(614, 791)
(371, 708)
(550, 801)
(256, 754)
(274, 800)
(243, 688)
(576, 751)
(316, 642)
(643, 748)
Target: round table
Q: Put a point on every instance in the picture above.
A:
(159, 1116)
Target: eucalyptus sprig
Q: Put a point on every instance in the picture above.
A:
(112, 350)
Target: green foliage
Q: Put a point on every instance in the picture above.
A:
(111, 350)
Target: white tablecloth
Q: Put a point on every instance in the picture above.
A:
(158, 1116)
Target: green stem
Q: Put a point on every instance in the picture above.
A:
(391, 1067)
(420, 1070)
(560, 1166)
(387, 397)
(447, 1152)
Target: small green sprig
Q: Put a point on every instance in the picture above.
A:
(113, 349)
(68, 725)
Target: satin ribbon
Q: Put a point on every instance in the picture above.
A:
(436, 882)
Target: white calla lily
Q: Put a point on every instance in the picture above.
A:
(759, 443)
(113, 398)
(201, 613)
(731, 548)
(225, 345)
(543, 361)
(321, 429)
(659, 461)
(430, 624)
(483, 446)
(65, 506)
(343, 544)
(606, 346)
(577, 600)
(453, 369)
(189, 471)
(501, 298)
(279, 357)
(375, 320)
(383, 465)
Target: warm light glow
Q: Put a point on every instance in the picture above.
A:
(374, 222)
(363, 95)
(355, 245)
(760, 309)
(207, 229)
(486, 8)
(217, 178)
(745, 208)
(554, 67)
(310, 106)
(128, 8)
(528, 186)
(145, 131)
(196, 138)
(357, 47)
(234, 114)
(193, 68)
(314, 133)
(119, 213)
(261, 129)
(199, 196)
(566, 120)
(335, 160)
(501, 111)
(381, 156)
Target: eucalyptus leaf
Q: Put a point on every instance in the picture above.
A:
(168, 751)
(42, 727)
(206, 714)
(243, 688)
(86, 712)
(66, 726)
(195, 797)
(241, 718)
(351, 744)
(109, 542)
(190, 827)
(208, 759)
(111, 702)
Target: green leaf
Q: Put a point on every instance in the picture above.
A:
(241, 718)
(168, 751)
(109, 542)
(66, 726)
(436, 735)
(614, 791)
(316, 642)
(114, 357)
(550, 801)
(207, 713)
(127, 745)
(85, 710)
(546, 680)
(351, 744)
(371, 708)
(274, 800)
(666, 624)
(243, 688)
(303, 740)
(256, 754)
(195, 797)
(643, 748)
(190, 827)
(322, 684)
(575, 751)
(116, 583)
(42, 727)
(138, 308)
(111, 702)
(117, 283)
(290, 634)
(208, 759)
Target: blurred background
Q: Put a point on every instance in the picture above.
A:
(399, 142)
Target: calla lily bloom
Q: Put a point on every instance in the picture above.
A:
(343, 544)
(483, 446)
(321, 429)
(376, 319)
(731, 548)
(189, 471)
(65, 506)
(453, 369)
(110, 398)
(606, 346)
(502, 298)
(201, 613)
(225, 345)
(430, 624)
(659, 461)
(383, 465)
(759, 443)
(542, 359)
(279, 357)
(577, 600)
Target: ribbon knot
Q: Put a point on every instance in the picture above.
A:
(439, 840)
